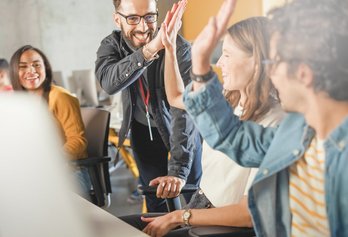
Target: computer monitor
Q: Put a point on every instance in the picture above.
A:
(85, 87)
(58, 79)
(36, 185)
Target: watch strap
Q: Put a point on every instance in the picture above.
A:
(202, 78)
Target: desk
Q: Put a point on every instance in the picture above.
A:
(106, 225)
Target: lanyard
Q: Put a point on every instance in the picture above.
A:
(145, 98)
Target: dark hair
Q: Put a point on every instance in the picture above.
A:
(252, 37)
(3, 64)
(315, 32)
(14, 68)
(117, 3)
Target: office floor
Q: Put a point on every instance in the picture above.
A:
(123, 184)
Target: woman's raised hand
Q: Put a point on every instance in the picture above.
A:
(207, 40)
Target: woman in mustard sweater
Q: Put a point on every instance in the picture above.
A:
(31, 71)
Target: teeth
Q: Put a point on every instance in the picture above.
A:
(141, 36)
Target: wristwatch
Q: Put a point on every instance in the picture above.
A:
(202, 78)
(186, 217)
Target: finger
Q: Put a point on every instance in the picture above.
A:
(166, 18)
(173, 191)
(182, 9)
(147, 219)
(166, 190)
(224, 14)
(177, 15)
(174, 7)
(155, 181)
(160, 188)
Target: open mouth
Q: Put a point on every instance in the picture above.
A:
(142, 37)
(31, 80)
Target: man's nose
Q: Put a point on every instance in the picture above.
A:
(143, 25)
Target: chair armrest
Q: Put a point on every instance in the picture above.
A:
(220, 231)
(91, 161)
(144, 190)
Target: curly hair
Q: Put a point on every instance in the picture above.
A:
(315, 32)
(117, 3)
(252, 37)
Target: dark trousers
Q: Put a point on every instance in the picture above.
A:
(152, 161)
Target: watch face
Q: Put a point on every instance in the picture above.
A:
(187, 214)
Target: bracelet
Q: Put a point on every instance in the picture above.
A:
(153, 56)
(202, 78)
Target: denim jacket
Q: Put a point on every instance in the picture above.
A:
(273, 150)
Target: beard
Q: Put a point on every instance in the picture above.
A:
(137, 39)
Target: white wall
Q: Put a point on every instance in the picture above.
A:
(68, 31)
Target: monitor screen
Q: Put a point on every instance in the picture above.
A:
(85, 87)
(58, 79)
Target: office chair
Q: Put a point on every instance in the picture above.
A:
(96, 123)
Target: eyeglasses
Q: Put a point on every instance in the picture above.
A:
(135, 19)
(270, 65)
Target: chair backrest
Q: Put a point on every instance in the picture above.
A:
(96, 123)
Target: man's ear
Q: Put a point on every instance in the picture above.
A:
(305, 75)
(117, 20)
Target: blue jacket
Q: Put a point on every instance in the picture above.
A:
(273, 150)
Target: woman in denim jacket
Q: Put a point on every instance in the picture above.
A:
(224, 184)
(300, 189)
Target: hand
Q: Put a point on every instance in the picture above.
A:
(170, 32)
(167, 186)
(160, 226)
(207, 40)
(172, 20)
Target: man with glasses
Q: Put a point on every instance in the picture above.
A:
(301, 187)
(131, 60)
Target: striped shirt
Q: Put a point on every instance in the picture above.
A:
(307, 193)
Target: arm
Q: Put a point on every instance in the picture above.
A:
(113, 69)
(183, 132)
(174, 85)
(243, 141)
(207, 40)
(182, 137)
(231, 215)
(66, 110)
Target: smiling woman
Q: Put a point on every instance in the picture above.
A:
(31, 71)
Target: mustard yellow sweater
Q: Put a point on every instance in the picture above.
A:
(66, 110)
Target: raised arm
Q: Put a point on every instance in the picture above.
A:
(174, 85)
(207, 40)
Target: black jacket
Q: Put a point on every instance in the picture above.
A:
(117, 69)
